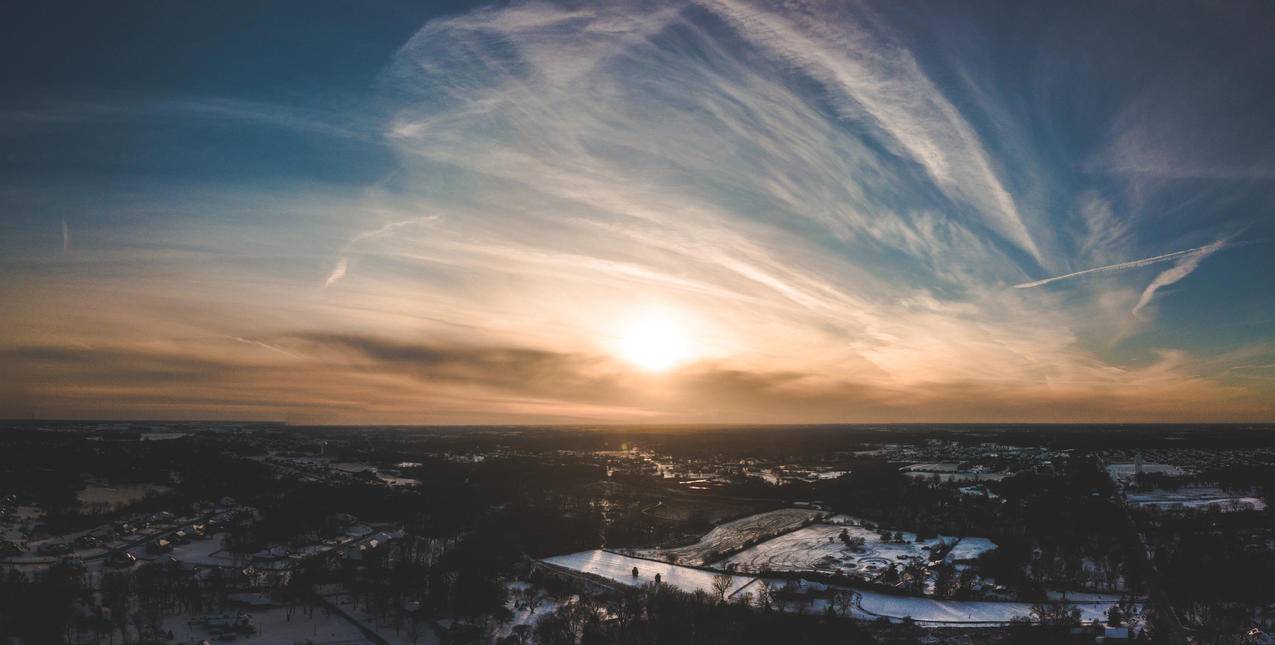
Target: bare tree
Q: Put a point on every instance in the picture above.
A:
(721, 583)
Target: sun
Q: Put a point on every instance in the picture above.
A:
(653, 343)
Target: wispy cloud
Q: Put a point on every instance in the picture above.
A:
(874, 78)
(337, 273)
(1185, 265)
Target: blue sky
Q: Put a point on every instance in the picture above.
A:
(613, 212)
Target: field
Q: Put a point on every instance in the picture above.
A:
(957, 612)
(681, 510)
(733, 536)
(819, 548)
(1196, 497)
(1126, 471)
(868, 604)
(276, 625)
(948, 472)
(619, 568)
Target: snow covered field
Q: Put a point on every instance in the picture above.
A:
(275, 625)
(949, 473)
(954, 612)
(818, 548)
(969, 548)
(619, 568)
(734, 535)
(1196, 497)
(1123, 471)
(869, 604)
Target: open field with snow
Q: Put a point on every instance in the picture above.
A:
(818, 547)
(1196, 497)
(935, 612)
(733, 536)
(619, 568)
(1127, 471)
(868, 604)
(969, 548)
(275, 625)
(949, 472)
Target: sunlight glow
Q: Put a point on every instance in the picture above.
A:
(655, 344)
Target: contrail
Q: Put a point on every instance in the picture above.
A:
(1132, 264)
(249, 341)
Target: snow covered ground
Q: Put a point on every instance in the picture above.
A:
(1127, 471)
(1198, 497)
(522, 610)
(734, 535)
(870, 604)
(818, 547)
(942, 612)
(619, 568)
(951, 472)
(404, 632)
(969, 548)
(274, 625)
(957, 477)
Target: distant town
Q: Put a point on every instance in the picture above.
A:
(201, 532)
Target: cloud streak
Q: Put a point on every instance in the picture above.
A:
(1205, 251)
(1182, 269)
(337, 273)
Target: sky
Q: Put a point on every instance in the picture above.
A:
(716, 211)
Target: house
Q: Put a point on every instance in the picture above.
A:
(359, 551)
(1258, 637)
(120, 559)
(160, 545)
